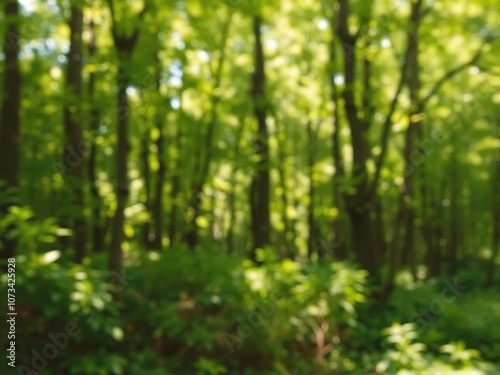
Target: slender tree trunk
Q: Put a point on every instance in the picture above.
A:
(495, 245)
(96, 200)
(415, 158)
(284, 233)
(146, 176)
(176, 188)
(380, 237)
(122, 188)
(124, 46)
(232, 215)
(440, 225)
(259, 198)
(295, 203)
(232, 195)
(429, 230)
(157, 208)
(205, 158)
(368, 111)
(176, 181)
(339, 225)
(9, 116)
(429, 218)
(74, 132)
(311, 220)
(403, 227)
(360, 205)
(454, 209)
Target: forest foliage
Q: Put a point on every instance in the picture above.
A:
(252, 186)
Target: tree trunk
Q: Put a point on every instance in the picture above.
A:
(157, 208)
(429, 222)
(285, 232)
(259, 195)
(361, 204)
(146, 176)
(232, 195)
(9, 117)
(339, 225)
(204, 159)
(495, 245)
(312, 240)
(124, 46)
(176, 188)
(454, 207)
(122, 188)
(440, 225)
(96, 200)
(74, 132)
(403, 227)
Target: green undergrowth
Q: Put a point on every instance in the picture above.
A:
(210, 313)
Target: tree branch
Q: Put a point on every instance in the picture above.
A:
(488, 70)
(450, 74)
(388, 120)
(113, 18)
(126, 43)
(147, 4)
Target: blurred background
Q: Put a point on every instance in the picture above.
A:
(250, 186)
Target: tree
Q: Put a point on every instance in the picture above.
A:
(204, 153)
(124, 44)
(92, 164)
(495, 237)
(74, 132)
(361, 203)
(259, 191)
(10, 118)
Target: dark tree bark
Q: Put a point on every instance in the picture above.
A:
(96, 200)
(361, 204)
(232, 194)
(122, 188)
(146, 176)
(313, 237)
(404, 223)
(495, 245)
(454, 242)
(176, 188)
(9, 117)
(157, 208)
(284, 243)
(124, 45)
(259, 194)
(430, 208)
(339, 225)
(73, 130)
(438, 256)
